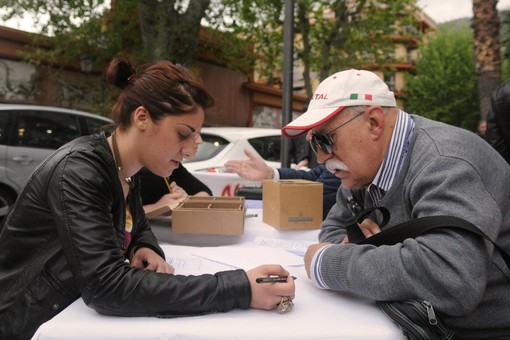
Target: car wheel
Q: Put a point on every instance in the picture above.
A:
(6, 201)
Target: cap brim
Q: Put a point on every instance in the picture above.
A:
(309, 120)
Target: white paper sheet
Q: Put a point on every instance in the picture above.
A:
(297, 247)
(195, 265)
(249, 256)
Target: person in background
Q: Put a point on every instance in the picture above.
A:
(482, 129)
(302, 154)
(255, 168)
(414, 167)
(78, 228)
(157, 191)
(498, 120)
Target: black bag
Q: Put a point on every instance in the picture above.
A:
(416, 318)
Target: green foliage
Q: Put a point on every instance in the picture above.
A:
(145, 29)
(69, 28)
(330, 35)
(444, 86)
(257, 26)
(247, 35)
(359, 36)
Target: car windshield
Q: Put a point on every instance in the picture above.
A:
(268, 147)
(211, 146)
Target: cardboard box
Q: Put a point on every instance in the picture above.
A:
(209, 215)
(161, 210)
(292, 204)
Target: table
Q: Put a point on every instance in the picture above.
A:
(254, 227)
(317, 314)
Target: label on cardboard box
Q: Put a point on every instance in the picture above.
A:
(292, 203)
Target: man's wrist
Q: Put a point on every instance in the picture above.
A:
(270, 171)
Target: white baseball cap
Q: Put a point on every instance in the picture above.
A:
(342, 89)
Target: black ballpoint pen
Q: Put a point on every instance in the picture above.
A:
(270, 279)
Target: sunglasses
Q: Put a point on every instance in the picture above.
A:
(324, 141)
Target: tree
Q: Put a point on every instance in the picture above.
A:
(444, 85)
(330, 35)
(171, 28)
(167, 29)
(358, 34)
(486, 44)
(505, 44)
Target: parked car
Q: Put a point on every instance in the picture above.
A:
(29, 134)
(226, 143)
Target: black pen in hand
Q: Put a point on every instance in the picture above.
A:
(270, 279)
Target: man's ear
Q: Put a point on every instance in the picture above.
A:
(377, 121)
(141, 117)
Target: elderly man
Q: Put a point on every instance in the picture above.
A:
(414, 167)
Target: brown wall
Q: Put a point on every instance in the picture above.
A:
(232, 107)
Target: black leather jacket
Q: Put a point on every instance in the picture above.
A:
(64, 239)
(498, 120)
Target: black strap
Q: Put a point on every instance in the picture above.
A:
(354, 233)
(416, 227)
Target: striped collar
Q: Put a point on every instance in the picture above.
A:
(392, 163)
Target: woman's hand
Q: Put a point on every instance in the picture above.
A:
(177, 194)
(268, 295)
(148, 259)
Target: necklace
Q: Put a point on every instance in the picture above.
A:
(118, 160)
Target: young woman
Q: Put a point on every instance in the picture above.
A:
(80, 217)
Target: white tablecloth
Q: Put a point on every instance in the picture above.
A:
(318, 314)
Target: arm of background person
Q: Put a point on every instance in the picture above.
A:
(254, 168)
(189, 183)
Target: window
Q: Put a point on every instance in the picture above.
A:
(389, 79)
(211, 146)
(45, 129)
(94, 126)
(268, 147)
(4, 128)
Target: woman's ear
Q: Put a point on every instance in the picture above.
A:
(141, 117)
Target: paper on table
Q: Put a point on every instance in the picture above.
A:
(194, 265)
(249, 256)
(294, 246)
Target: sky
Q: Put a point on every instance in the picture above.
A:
(446, 10)
(439, 10)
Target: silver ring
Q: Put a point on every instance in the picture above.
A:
(285, 304)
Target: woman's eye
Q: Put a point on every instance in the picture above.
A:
(183, 136)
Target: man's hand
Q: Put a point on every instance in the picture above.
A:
(146, 258)
(310, 253)
(302, 164)
(254, 168)
(368, 228)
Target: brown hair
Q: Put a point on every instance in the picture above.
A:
(163, 88)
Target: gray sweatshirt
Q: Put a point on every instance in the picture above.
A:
(447, 171)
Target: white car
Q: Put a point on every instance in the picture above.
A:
(222, 144)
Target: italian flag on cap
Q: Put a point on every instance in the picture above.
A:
(355, 96)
